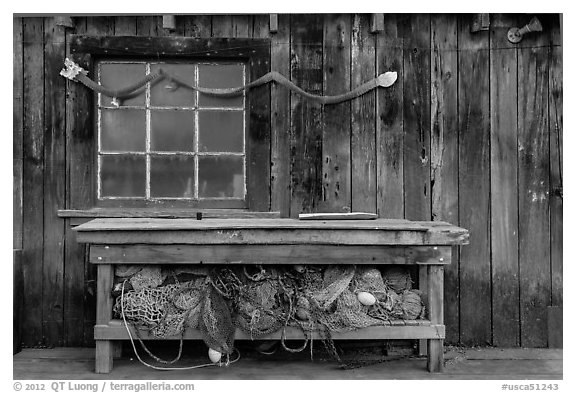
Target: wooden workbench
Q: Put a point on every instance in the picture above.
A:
(275, 241)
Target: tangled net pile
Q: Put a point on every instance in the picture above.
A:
(262, 299)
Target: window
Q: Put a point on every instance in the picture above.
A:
(166, 149)
(170, 142)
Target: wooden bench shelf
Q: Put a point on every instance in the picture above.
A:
(429, 245)
(397, 330)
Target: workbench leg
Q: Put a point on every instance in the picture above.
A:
(104, 356)
(436, 314)
(104, 348)
(423, 287)
(435, 356)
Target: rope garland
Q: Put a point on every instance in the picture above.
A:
(77, 74)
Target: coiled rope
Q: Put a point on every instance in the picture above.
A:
(76, 73)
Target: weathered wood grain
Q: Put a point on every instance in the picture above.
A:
(555, 109)
(503, 184)
(444, 149)
(336, 193)
(363, 142)
(474, 182)
(436, 316)
(242, 25)
(97, 26)
(169, 213)
(306, 116)
(280, 127)
(533, 188)
(227, 231)
(104, 349)
(276, 237)
(17, 133)
(108, 45)
(146, 26)
(147, 223)
(54, 182)
(417, 193)
(17, 291)
(33, 179)
(125, 25)
(198, 26)
(389, 122)
(117, 331)
(258, 134)
(78, 127)
(222, 26)
(266, 254)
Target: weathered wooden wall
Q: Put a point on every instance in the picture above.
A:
(471, 134)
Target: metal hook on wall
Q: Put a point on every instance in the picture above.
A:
(515, 34)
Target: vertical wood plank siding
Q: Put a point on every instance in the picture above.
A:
(474, 183)
(471, 133)
(555, 128)
(306, 116)
(336, 130)
(17, 124)
(417, 194)
(77, 125)
(54, 183)
(390, 122)
(363, 117)
(533, 188)
(504, 183)
(33, 180)
(444, 150)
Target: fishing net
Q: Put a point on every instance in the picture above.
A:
(148, 277)
(397, 278)
(263, 300)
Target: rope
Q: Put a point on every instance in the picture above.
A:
(76, 73)
(127, 326)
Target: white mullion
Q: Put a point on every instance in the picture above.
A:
(196, 134)
(99, 143)
(148, 126)
(244, 130)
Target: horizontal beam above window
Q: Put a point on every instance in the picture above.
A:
(171, 46)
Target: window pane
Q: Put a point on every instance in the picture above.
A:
(119, 76)
(221, 131)
(123, 130)
(123, 176)
(172, 176)
(165, 93)
(172, 130)
(221, 176)
(219, 76)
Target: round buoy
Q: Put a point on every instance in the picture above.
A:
(366, 298)
(214, 355)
